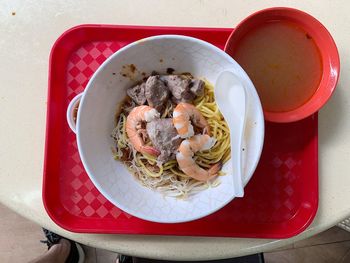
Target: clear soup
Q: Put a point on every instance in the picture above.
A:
(283, 62)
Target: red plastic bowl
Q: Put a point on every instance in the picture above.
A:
(322, 38)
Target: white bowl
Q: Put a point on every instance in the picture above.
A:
(107, 89)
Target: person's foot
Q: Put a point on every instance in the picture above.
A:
(58, 253)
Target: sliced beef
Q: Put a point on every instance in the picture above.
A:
(183, 87)
(163, 135)
(179, 87)
(156, 92)
(197, 87)
(137, 93)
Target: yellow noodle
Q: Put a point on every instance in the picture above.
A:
(147, 171)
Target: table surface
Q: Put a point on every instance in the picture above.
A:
(29, 28)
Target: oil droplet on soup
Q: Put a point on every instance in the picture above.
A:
(283, 62)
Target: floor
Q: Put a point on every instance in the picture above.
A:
(331, 246)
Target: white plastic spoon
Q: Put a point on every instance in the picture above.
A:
(230, 96)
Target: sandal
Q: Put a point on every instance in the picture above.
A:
(124, 259)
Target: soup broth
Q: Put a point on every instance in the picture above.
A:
(283, 62)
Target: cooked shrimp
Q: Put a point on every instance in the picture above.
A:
(187, 164)
(183, 114)
(134, 131)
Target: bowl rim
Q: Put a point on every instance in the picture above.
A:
(315, 103)
(91, 84)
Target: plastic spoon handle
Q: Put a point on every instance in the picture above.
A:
(230, 97)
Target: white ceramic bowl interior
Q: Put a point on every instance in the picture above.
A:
(107, 89)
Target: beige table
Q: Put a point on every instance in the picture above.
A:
(27, 32)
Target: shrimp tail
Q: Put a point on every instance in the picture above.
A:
(214, 170)
(206, 130)
(150, 150)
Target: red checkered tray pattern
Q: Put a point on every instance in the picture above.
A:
(280, 200)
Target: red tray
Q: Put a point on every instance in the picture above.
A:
(280, 200)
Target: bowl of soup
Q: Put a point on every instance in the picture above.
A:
(291, 58)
